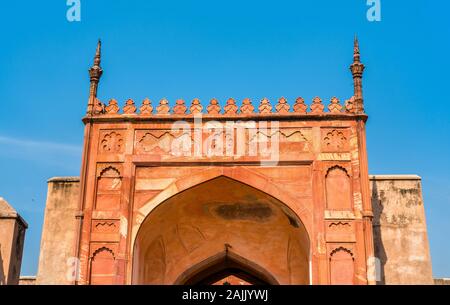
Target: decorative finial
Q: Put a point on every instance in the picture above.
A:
(356, 55)
(98, 53)
(357, 69)
(95, 72)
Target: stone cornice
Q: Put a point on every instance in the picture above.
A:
(105, 118)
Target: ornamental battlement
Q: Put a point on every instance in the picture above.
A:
(317, 108)
(232, 108)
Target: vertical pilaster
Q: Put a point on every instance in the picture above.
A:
(367, 213)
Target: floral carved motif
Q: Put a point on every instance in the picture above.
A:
(112, 142)
(335, 140)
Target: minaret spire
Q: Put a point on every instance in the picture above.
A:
(356, 55)
(357, 69)
(95, 72)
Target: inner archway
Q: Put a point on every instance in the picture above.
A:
(226, 268)
(221, 231)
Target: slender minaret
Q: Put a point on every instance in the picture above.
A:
(95, 72)
(357, 69)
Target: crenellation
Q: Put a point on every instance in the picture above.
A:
(282, 107)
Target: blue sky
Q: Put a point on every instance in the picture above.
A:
(206, 49)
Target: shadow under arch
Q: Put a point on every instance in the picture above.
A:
(249, 206)
(205, 271)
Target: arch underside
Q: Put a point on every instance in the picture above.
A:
(218, 231)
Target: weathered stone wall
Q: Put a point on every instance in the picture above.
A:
(12, 235)
(399, 229)
(59, 232)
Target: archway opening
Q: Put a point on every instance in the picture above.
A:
(226, 268)
(260, 240)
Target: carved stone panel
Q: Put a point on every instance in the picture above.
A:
(335, 140)
(111, 141)
(161, 142)
(340, 231)
(105, 230)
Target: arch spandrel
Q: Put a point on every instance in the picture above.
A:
(240, 174)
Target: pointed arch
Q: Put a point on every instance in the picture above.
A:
(102, 271)
(342, 266)
(197, 219)
(203, 272)
(338, 188)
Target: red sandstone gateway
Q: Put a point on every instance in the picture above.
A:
(239, 195)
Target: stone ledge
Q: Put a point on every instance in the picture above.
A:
(442, 281)
(64, 179)
(394, 177)
(27, 280)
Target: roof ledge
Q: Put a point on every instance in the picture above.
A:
(64, 179)
(394, 177)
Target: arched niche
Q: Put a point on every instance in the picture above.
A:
(338, 189)
(102, 267)
(219, 215)
(342, 267)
